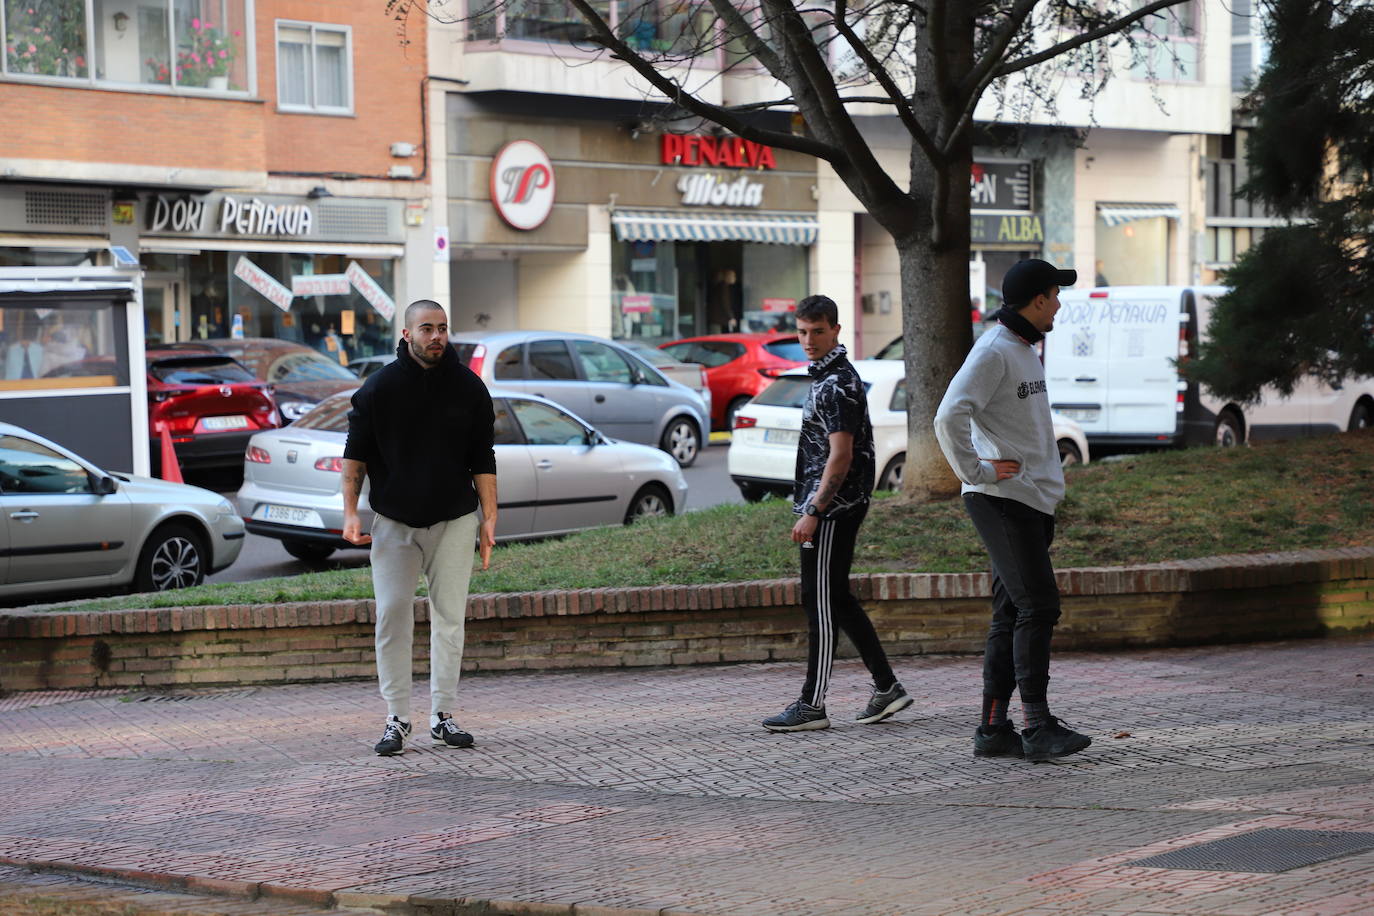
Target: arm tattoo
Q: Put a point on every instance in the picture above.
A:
(828, 488)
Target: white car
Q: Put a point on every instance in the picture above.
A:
(554, 474)
(68, 526)
(763, 445)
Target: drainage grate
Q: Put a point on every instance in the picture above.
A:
(1268, 851)
(191, 697)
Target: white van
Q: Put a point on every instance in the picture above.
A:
(1110, 364)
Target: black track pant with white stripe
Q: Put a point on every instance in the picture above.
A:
(832, 607)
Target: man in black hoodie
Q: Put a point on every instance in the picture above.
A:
(421, 432)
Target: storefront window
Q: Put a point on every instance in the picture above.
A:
(644, 290)
(774, 279)
(60, 344)
(1134, 253)
(337, 322)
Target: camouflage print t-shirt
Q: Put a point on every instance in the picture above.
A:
(836, 403)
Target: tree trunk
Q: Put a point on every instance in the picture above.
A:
(937, 334)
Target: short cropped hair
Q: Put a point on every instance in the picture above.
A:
(418, 306)
(813, 308)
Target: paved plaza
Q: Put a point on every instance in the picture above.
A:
(655, 791)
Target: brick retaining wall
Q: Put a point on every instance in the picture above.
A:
(1220, 599)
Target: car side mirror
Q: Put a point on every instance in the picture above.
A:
(594, 438)
(106, 486)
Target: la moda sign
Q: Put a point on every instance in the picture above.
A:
(702, 149)
(522, 184)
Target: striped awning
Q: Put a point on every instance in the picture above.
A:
(683, 226)
(1116, 214)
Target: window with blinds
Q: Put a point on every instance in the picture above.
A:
(314, 68)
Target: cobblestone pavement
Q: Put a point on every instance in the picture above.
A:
(640, 791)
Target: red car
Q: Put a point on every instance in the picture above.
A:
(209, 402)
(738, 366)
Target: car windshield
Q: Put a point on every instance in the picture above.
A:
(649, 354)
(199, 370)
(787, 348)
(788, 391)
(331, 415)
(308, 366)
(892, 351)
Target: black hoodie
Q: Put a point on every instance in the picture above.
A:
(423, 434)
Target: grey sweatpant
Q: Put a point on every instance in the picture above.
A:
(400, 553)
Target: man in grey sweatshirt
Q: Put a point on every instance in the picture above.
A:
(995, 429)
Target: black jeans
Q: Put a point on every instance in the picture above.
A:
(830, 605)
(1025, 597)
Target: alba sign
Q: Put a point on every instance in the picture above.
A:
(522, 184)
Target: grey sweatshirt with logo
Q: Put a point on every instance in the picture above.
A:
(996, 407)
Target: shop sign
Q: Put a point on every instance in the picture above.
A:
(1000, 186)
(779, 305)
(367, 288)
(320, 285)
(179, 214)
(522, 184)
(253, 217)
(708, 190)
(989, 229)
(702, 149)
(638, 302)
(260, 280)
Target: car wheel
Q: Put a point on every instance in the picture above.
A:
(1362, 417)
(310, 553)
(891, 478)
(1069, 453)
(172, 558)
(1229, 431)
(682, 440)
(732, 411)
(752, 492)
(652, 501)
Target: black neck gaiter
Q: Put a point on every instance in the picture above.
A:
(1017, 322)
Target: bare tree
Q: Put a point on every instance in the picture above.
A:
(928, 63)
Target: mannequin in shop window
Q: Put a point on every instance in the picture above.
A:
(725, 303)
(24, 358)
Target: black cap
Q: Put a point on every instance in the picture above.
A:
(1031, 277)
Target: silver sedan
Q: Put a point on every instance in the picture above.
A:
(68, 526)
(555, 474)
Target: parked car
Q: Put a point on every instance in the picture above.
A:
(617, 392)
(763, 448)
(1113, 365)
(366, 365)
(69, 526)
(738, 366)
(300, 376)
(210, 404)
(693, 375)
(557, 474)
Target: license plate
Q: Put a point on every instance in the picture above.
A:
(781, 436)
(237, 421)
(288, 515)
(1082, 415)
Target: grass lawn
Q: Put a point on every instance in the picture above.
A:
(1143, 509)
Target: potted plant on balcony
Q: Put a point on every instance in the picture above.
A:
(208, 57)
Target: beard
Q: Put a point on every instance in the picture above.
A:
(422, 357)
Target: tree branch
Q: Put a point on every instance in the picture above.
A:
(1078, 41)
(603, 36)
(879, 72)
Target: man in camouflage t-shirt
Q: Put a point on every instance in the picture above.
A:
(834, 479)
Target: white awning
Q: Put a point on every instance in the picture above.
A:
(680, 226)
(38, 286)
(1116, 214)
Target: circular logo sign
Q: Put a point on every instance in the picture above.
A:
(522, 185)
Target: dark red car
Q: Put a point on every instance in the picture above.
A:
(738, 366)
(209, 402)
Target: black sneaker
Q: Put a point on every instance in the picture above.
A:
(448, 734)
(799, 717)
(394, 738)
(1052, 739)
(997, 741)
(884, 704)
